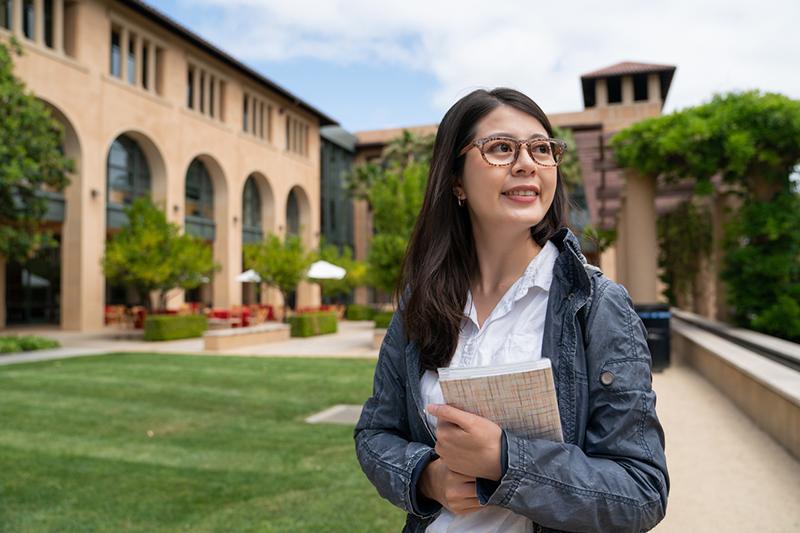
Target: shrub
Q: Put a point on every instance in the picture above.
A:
(359, 312)
(26, 344)
(383, 318)
(171, 327)
(310, 324)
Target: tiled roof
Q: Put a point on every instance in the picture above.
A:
(627, 68)
(160, 18)
(372, 137)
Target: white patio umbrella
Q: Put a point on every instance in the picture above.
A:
(325, 270)
(248, 276)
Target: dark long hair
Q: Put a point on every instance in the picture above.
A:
(441, 260)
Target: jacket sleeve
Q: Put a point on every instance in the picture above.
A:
(618, 481)
(391, 461)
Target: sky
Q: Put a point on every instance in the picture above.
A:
(373, 64)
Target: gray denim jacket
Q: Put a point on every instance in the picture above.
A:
(610, 474)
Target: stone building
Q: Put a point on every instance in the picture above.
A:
(151, 108)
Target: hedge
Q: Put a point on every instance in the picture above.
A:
(310, 324)
(359, 312)
(383, 318)
(25, 343)
(171, 327)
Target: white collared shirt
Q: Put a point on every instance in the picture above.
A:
(512, 332)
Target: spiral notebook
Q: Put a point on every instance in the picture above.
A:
(518, 397)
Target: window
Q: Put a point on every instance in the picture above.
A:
(614, 85)
(211, 96)
(199, 220)
(28, 19)
(292, 214)
(199, 191)
(251, 212)
(245, 113)
(296, 136)
(132, 59)
(205, 92)
(640, 87)
(190, 89)
(116, 68)
(48, 23)
(5, 14)
(256, 116)
(145, 65)
(128, 173)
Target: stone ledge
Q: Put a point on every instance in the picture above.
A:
(222, 339)
(768, 392)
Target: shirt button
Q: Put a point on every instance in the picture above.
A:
(607, 378)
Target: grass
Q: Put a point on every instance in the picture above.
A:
(141, 442)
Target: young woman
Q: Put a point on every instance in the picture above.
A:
(492, 276)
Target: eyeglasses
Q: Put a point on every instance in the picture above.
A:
(503, 151)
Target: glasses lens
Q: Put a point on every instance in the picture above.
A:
(499, 151)
(546, 152)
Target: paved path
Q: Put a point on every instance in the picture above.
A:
(354, 339)
(726, 474)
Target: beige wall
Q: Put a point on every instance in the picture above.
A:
(99, 107)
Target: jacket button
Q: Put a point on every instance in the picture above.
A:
(607, 378)
(538, 528)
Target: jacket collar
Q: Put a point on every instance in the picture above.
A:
(570, 267)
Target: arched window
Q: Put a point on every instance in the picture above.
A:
(251, 212)
(292, 214)
(128, 176)
(199, 201)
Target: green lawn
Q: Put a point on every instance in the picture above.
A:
(142, 442)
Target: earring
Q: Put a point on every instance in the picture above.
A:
(460, 202)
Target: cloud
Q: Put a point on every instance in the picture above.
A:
(540, 48)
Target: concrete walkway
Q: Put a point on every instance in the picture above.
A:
(726, 474)
(354, 339)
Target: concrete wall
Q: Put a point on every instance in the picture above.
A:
(98, 107)
(766, 391)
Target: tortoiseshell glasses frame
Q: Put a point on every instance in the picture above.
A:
(551, 156)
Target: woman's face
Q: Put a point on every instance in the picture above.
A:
(488, 190)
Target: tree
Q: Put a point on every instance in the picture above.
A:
(31, 161)
(396, 201)
(752, 141)
(281, 264)
(356, 270)
(150, 254)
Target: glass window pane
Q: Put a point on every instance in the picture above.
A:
(244, 113)
(118, 155)
(28, 19)
(190, 89)
(115, 54)
(132, 59)
(145, 59)
(5, 14)
(48, 23)
(202, 105)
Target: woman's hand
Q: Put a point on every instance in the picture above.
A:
(456, 492)
(467, 443)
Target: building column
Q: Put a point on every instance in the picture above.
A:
(83, 243)
(38, 22)
(151, 68)
(195, 88)
(653, 88)
(58, 26)
(601, 92)
(621, 246)
(228, 252)
(16, 18)
(2, 292)
(640, 233)
(627, 89)
(608, 262)
(139, 82)
(123, 54)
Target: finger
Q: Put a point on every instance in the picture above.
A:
(451, 414)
